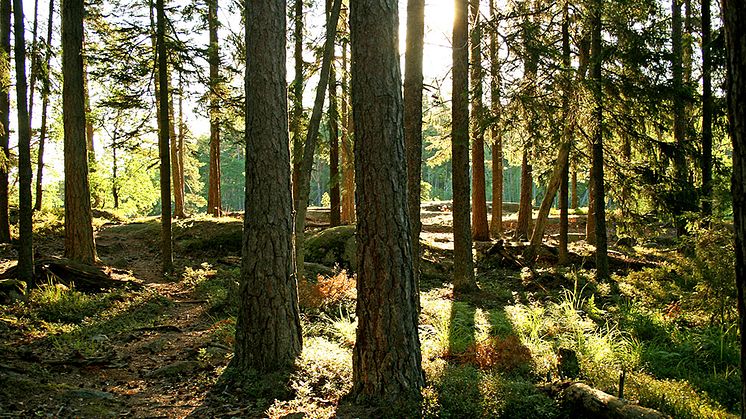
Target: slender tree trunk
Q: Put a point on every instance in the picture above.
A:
(334, 192)
(463, 262)
(44, 106)
(386, 359)
(25, 225)
(178, 187)
(599, 204)
(214, 194)
(348, 161)
(413, 85)
(574, 201)
(496, 223)
(5, 12)
(181, 144)
(480, 230)
(268, 331)
(679, 116)
(167, 258)
(114, 177)
(569, 128)
(34, 63)
(304, 176)
(525, 206)
(706, 110)
(590, 222)
(296, 129)
(734, 19)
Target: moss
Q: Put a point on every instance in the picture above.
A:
(333, 246)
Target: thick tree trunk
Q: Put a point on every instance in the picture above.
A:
(413, 120)
(480, 230)
(214, 195)
(348, 161)
(268, 331)
(734, 19)
(525, 207)
(333, 114)
(44, 107)
(309, 148)
(496, 222)
(79, 243)
(599, 204)
(5, 12)
(386, 360)
(296, 129)
(167, 258)
(463, 262)
(706, 110)
(25, 225)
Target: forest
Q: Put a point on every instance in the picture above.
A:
(373, 208)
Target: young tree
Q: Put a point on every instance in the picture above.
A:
(480, 230)
(5, 12)
(348, 161)
(679, 110)
(463, 262)
(386, 359)
(706, 110)
(25, 224)
(496, 223)
(46, 82)
(597, 168)
(214, 198)
(176, 169)
(734, 19)
(79, 243)
(268, 331)
(167, 257)
(413, 118)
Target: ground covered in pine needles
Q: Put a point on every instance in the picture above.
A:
(160, 346)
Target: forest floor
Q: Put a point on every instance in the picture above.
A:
(159, 347)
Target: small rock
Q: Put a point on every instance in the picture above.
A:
(175, 369)
(87, 393)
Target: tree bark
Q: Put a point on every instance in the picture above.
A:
(44, 107)
(525, 207)
(734, 19)
(599, 204)
(79, 243)
(590, 220)
(706, 110)
(574, 201)
(214, 195)
(413, 85)
(34, 63)
(309, 148)
(167, 258)
(569, 130)
(268, 331)
(679, 116)
(5, 12)
(25, 224)
(463, 262)
(386, 359)
(333, 114)
(480, 230)
(496, 222)
(178, 186)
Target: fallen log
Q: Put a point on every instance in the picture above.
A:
(585, 401)
(68, 272)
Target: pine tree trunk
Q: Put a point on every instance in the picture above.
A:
(296, 129)
(309, 148)
(348, 161)
(590, 222)
(525, 206)
(574, 201)
(463, 262)
(480, 230)
(734, 19)
(268, 331)
(413, 120)
(25, 225)
(334, 191)
(79, 243)
(706, 110)
(44, 107)
(568, 131)
(181, 143)
(599, 204)
(178, 187)
(167, 258)
(5, 12)
(386, 359)
(34, 63)
(679, 117)
(214, 194)
(496, 222)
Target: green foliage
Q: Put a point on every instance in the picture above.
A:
(60, 304)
